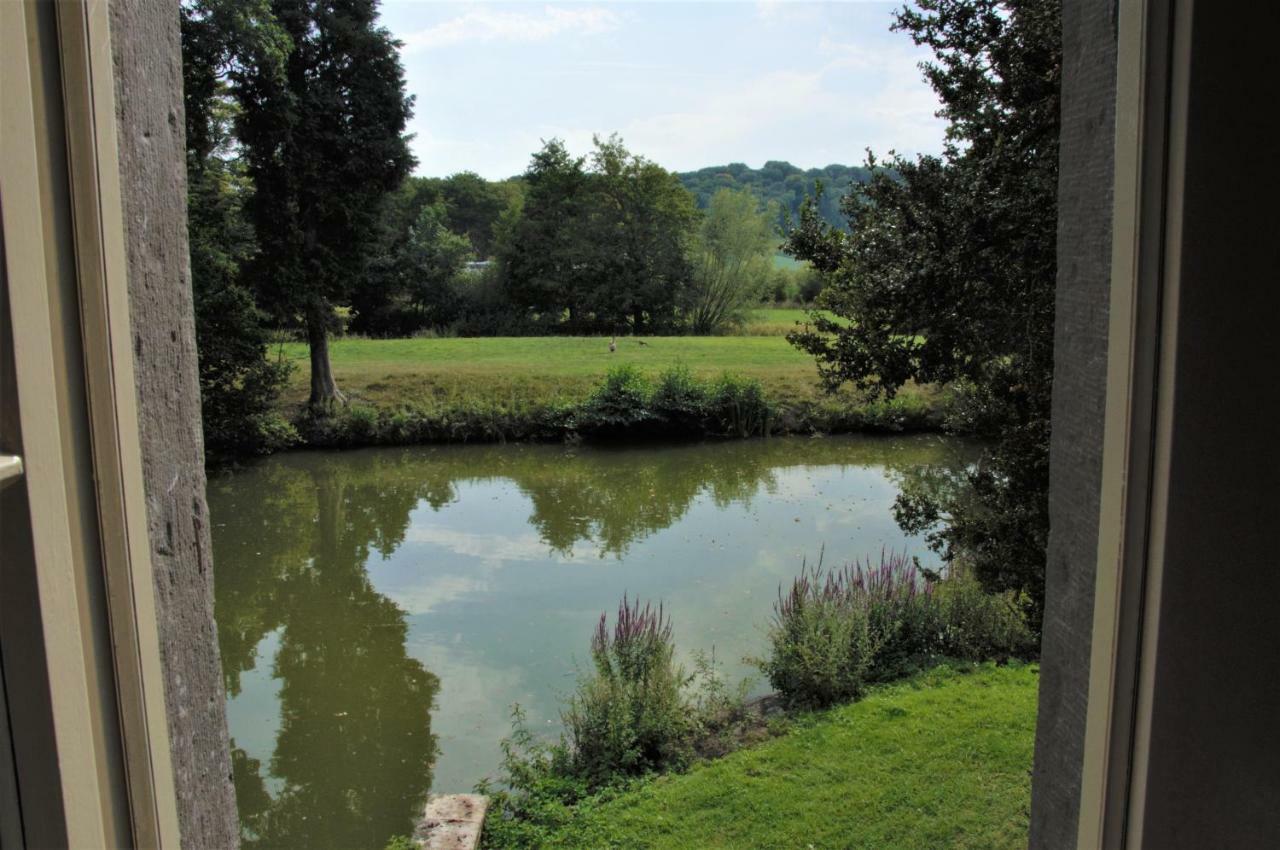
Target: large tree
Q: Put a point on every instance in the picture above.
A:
(325, 145)
(605, 239)
(541, 251)
(637, 239)
(947, 275)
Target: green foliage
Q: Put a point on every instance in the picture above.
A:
(733, 261)
(835, 632)
(681, 404)
(820, 649)
(979, 626)
(601, 243)
(736, 407)
(416, 279)
(947, 273)
(780, 186)
(621, 402)
(324, 144)
(629, 715)
(680, 399)
(474, 206)
(238, 382)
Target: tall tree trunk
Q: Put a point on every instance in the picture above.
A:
(324, 389)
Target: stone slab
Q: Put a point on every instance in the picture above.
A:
(452, 822)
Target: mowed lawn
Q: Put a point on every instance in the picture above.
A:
(940, 761)
(515, 370)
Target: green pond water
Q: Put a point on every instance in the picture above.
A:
(380, 611)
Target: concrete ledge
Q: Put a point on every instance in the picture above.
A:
(452, 822)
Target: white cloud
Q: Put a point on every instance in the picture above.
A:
(778, 106)
(482, 25)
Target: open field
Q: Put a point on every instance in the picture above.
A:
(523, 370)
(941, 760)
(542, 369)
(448, 389)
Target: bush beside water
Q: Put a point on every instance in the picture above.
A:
(627, 404)
(635, 712)
(837, 631)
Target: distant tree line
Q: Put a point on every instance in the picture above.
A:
(783, 186)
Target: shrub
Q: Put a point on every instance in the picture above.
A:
(680, 400)
(836, 631)
(980, 626)
(270, 432)
(820, 642)
(629, 717)
(621, 402)
(737, 407)
(360, 423)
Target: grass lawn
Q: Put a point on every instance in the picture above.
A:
(516, 371)
(540, 369)
(406, 391)
(942, 760)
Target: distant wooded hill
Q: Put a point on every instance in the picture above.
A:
(779, 182)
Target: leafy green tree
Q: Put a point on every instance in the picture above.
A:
(238, 382)
(637, 240)
(433, 261)
(733, 260)
(542, 252)
(605, 242)
(325, 146)
(947, 275)
(474, 205)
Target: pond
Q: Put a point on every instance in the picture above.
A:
(380, 611)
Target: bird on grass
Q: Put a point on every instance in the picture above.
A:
(613, 344)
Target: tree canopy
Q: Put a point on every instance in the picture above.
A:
(238, 382)
(325, 145)
(602, 240)
(781, 184)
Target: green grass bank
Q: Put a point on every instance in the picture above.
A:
(420, 390)
(942, 759)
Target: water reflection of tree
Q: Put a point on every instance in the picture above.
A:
(354, 749)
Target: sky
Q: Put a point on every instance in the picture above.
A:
(687, 85)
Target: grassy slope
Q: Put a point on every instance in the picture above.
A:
(940, 761)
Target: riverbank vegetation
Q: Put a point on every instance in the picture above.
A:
(623, 404)
(835, 635)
